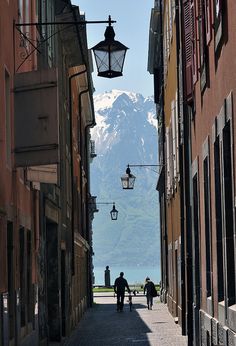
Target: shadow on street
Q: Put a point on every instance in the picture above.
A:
(104, 326)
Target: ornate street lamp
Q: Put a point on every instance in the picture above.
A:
(128, 179)
(114, 212)
(109, 54)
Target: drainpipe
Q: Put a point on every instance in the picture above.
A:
(90, 297)
(72, 166)
(82, 157)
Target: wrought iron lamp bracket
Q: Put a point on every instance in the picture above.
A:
(35, 47)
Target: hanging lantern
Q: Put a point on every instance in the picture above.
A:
(109, 55)
(128, 180)
(114, 213)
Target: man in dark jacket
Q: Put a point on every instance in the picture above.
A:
(119, 288)
(148, 290)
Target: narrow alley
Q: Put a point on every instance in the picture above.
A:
(102, 325)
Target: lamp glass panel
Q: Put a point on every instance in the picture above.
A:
(102, 60)
(131, 182)
(114, 214)
(116, 60)
(127, 182)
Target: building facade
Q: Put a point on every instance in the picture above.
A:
(212, 136)
(200, 46)
(171, 124)
(163, 64)
(46, 111)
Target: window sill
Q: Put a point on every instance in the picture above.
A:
(232, 317)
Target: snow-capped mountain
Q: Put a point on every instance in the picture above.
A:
(125, 134)
(115, 111)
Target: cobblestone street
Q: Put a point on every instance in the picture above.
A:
(104, 326)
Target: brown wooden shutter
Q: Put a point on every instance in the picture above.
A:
(188, 48)
(36, 102)
(194, 42)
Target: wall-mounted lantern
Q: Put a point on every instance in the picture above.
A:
(109, 54)
(128, 179)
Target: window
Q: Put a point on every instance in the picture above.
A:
(194, 42)
(228, 214)
(170, 19)
(218, 22)
(203, 49)
(10, 270)
(22, 276)
(167, 162)
(171, 166)
(50, 31)
(171, 152)
(29, 277)
(20, 10)
(218, 201)
(167, 24)
(189, 43)
(27, 11)
(170, 269)
(208, 21)
(224, 204)
(174, 139)
(196, 240)
(47, 14)
(207, 219)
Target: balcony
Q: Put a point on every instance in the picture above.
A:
(92, 149)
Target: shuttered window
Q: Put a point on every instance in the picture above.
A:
(168, 162)
(188, 49)
(167, 33)
(202, 45)
(170, 19)
(177, 135)
(173, 124)
(194, 41)
(218, 22)
(171, 164)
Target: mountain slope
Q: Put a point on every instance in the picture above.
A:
(125, 133)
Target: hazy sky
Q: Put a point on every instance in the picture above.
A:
(131, 29)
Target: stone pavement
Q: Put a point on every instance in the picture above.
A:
(104, 326)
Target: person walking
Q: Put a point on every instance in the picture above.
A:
(149, 290)
(119, 288)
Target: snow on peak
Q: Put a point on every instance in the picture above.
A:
(106, 100)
